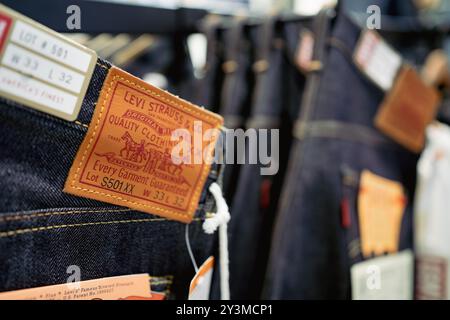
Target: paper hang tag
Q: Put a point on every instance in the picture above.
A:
(40, 68)
(126, 157)
(305, 51)
(376, 59)
(201, 283)
(407, 110)
(381, 204)
(435, 71)
(130, 287)
(432, 281)
(384, 278)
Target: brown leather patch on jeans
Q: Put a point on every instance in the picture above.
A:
(407, 110)
(125, 158)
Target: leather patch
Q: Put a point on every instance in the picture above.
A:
(125, 158)
(381, 205)
(407, 110)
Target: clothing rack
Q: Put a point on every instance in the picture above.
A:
(115, 17)
(122, 17)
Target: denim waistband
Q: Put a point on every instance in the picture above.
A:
(278, 79)
(239, 78)
(343, 131)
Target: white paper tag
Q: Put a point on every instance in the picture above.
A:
(41, 69)
(377, 59)
(29, 63)
(30, 90)
(50, 45)
(384, 278)
(201, 283)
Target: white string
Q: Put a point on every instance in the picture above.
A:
(220, 220)
(188, 245)
(224, 263)
(222, 216)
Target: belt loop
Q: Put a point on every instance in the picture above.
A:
(300, 128)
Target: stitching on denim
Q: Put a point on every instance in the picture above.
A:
(12, 233)
(168, 289)
(18, 217)
(164, 278)
(102, 66)
(132, 202)
(203, 174)
(165, 281)
(157, 283)
(81, 124)
(161, 278)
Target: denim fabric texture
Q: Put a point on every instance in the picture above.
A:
(211, 84)
(276, 102)
(43, 231)
(312, 249)
(237, 90)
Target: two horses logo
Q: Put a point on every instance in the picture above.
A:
(133, 154)
(132, 150)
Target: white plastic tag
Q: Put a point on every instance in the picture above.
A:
(377, 59)
(431, 218)
(40, 68)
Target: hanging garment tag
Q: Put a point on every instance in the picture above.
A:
(126, 157)
(40, 68)
(407, 110)
(131, 287)
(436, 71)
(305, 51)
(432, 281)
(201, 283)
(384, 278)
(376, 59)
(431, 218)
(381, 204)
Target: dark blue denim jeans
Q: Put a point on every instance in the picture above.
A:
(43, 230)
(237, 90)
(276, 102)
(313, 249)
(211, 84)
